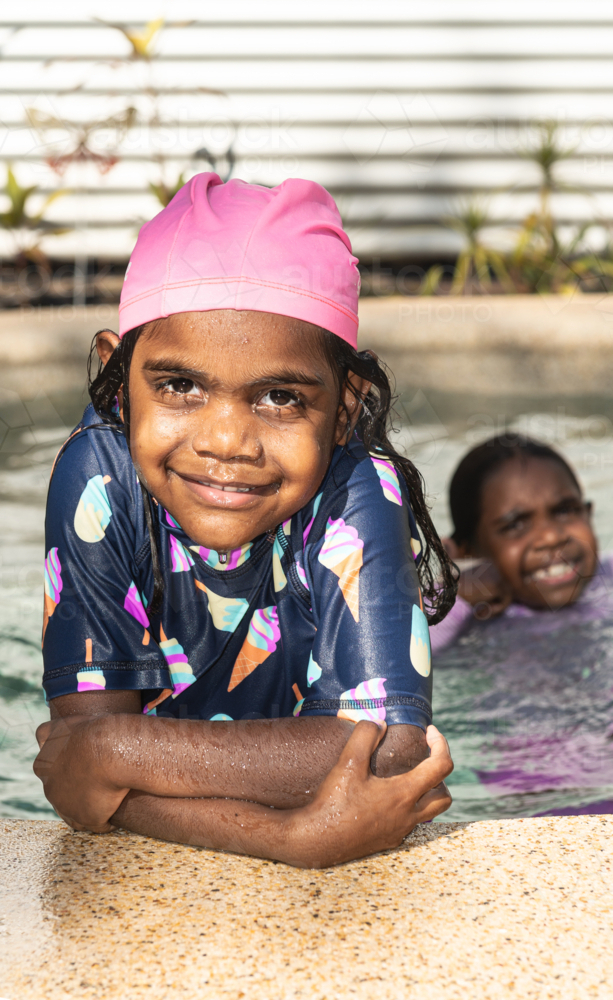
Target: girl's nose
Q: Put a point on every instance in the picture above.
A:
(227, 432)
(549, 533)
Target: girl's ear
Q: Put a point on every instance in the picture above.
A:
(106, 342)
(353, 395)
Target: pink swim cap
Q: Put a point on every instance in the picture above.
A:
(241, 246)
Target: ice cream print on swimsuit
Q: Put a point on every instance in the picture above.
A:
(279, 577)
(135, 606)
(181, 674)
(370, 698)
(387, 477)
(314, 671)
(90, 678)
(53, 586)
(342, 553)
(275, 621)
(180, 558)
(93, 511)
(420, 643)
(261, 641)
(234, 559)
(323, 646)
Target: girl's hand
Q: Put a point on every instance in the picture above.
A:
(481, 585)
(71, 766)
(355, 813)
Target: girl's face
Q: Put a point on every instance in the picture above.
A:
(233, 420)
(536, 528)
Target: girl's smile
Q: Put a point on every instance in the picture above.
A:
(233, 420)
(229, 494)
(536, 528)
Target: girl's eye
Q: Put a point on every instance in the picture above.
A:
(571, 509)
(513, 527)
(182, 387)
(279, 399)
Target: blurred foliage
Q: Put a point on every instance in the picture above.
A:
(27, 229)
(80, 138)
(540, 259)
(223, 165)
(142, 44)
(477, 263)
(165, 192)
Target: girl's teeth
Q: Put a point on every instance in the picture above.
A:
(551, 572)
(230, 489)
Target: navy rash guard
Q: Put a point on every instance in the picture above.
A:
(323, 617)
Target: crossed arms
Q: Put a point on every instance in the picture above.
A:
(299, 790)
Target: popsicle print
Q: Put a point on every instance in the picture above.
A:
(90, 678)
(181, 674)
(226, 612)
(420, 642)
(93, 511)
(313, 671)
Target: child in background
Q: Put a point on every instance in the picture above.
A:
(235, 553)
(522, 535)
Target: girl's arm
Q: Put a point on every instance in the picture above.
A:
(88, 764)
(352, 814)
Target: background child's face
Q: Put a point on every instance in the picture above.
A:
(233, 420)
(536, 528)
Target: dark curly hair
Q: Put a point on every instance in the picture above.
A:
(469, 478)
(437, 574)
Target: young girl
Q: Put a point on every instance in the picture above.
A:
(231, 579)
(520, 518)
(527, 696)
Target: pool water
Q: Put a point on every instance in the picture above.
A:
(526, 703)
(526, 715)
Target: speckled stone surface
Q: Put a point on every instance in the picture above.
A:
(517, 908)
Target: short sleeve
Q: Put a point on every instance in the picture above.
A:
(96, 633)
(371, 655)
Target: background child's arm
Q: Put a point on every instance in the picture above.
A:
(353, 813)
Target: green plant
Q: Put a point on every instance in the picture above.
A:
(431, 281)
(27, 229)
(166, 192)
(476, 262)
(546, 153)
(541, 259)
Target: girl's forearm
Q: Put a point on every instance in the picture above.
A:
(218, 824)
(273, 762)
(352, 814)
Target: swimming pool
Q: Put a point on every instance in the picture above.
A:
(526, 717)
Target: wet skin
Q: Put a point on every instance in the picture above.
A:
(232, 421)
(536, 529)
